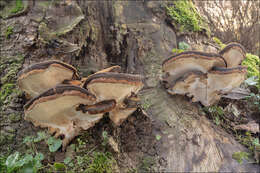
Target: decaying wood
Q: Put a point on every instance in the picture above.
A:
(135, 36)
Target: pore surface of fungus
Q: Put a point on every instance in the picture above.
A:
(117, 86)
(233, 54)
(177, 65)
(204, 77)
(112, 85)
(59, 110)
(208, 88)
(37, 78)
(65, 104)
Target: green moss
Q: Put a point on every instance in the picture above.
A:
(218, 42)
(18, 7)
(14, 117)
(9, 31)
(176, 51)
(101, 162)
(252, 62)
(240, 156)
(6, 137)
(11, 8)
(184, 13)
(6, 90)
(216, 114)
(13, 64)
(9, 68)
(146, 164)
(247, 140)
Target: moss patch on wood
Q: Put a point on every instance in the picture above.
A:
(186, 15)
(14, 7)
(18, 6)
(252, 62)
(9, 67)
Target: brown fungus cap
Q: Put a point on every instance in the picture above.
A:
(177, 65)
(39, 77)
(57, 109)
(100, 107)
(234, 54)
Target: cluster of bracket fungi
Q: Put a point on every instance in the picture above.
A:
(205, 77)
(66, 104)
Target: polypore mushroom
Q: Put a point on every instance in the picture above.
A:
(177, 65)
(225, 79)
(37, 78)
(117, 86)
(208, 88)
(192, 84)
(123, 110)
(66, 110)
(234, 54)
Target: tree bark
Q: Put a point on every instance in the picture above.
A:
(135, 36)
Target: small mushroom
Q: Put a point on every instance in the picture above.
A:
(117, 86)
(234, 54)
(60, 110)
(37, 78)
(177, 65)
(208, 88)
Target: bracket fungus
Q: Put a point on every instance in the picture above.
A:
(117, 86)
(233, 54)
(202, 76)
(177, 65)
(39, 77)
(60, 109)
(66, 105)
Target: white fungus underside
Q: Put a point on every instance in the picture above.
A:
(233, 57)
(60, 113)
(209, 90)
(117, 91)
(119, 114)
(181, 66)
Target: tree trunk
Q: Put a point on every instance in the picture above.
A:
(136, 36)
